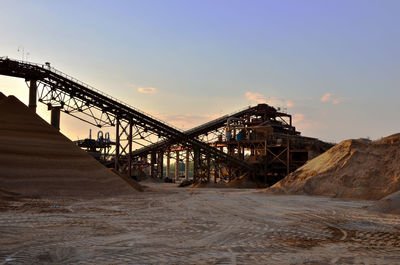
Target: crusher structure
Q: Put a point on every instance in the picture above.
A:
(262, 136)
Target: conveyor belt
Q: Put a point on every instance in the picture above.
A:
(107, 104)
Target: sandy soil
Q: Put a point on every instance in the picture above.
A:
(354, 169)
(169, 225)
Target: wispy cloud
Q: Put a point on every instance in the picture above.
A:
(256, 97)
(328, 98)
(186, 121)
(298, 117)
(301, 122)
(147, 90)
(289, 104)
(338, 100)
(273, 101)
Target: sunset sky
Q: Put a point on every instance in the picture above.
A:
(334, 65)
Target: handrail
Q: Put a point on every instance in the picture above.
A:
(87, 86)
(25, 65)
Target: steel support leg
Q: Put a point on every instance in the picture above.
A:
(153, 161)
(177, 166)
(117, 143)
(168, 164)
(130, 149)
(32, 94)
(208, 168)
(187, 164)
(196, 164)
(55, 117)
(160, 166)
(288, 157)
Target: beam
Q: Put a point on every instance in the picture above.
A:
(177, 166)
(160, 166)
(32, 94)
(168, 164)
(55, 117)
(117, 143)
(130, 149)
(187, 164)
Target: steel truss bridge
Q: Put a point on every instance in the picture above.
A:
(133, 128)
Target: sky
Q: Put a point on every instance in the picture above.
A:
(334, 64)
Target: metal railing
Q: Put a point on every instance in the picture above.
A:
(87, 86)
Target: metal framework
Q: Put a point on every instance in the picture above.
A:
(134, 128)
(279, 150)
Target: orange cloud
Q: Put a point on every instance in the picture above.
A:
(301, 122)
(257, 97)
(327, 97)
(289, 104)
(186, 121)
(147, 90)
(298, 117)
(338, 100)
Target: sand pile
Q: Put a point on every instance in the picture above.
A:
(394, 138)
(131, 182)
(37, 160)
(357, 169)
(242, 182)
(388, 204)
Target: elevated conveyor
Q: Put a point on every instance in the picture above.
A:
(75, 97)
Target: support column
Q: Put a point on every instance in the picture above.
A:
(216, 171)
(168, 164)
(55, 117)
(160, 166)
(196, 163)
(187, 164)
(116, 165)
(177, 166)
(32, 94)
(130, 150)
(208, 168)
(288, 157)
(153, 161)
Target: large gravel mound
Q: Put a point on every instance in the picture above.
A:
(37, 160)
(356, 169)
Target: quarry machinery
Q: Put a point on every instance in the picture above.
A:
(259, 140)
(261, 135)
(63, 93)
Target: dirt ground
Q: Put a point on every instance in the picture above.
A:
(169, 225)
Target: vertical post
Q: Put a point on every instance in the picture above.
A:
(130, 150)
(208, 168)
(160, 166)
(196, 163)
(153, 160)
(177, 166)
(116, 166)
(168, 164)
(32, 94)
(216, 171)
(55, 117)
(288, 156)
(187, 164)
